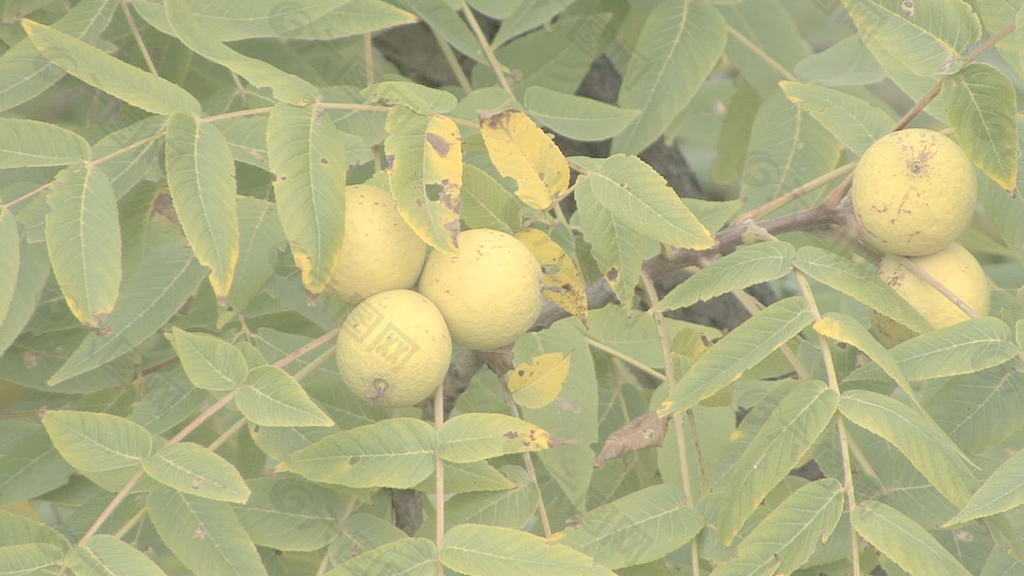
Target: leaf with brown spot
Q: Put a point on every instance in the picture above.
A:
(478, 436)
(425, 172)
(563, 282)
(538, 382)
(520, 150)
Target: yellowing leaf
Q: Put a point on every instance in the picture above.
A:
(520, 150)
(538, 382)
(425, 173)
(563, 283)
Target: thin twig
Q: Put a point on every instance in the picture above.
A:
(439, 476)
(138, 37)
(752, 306)
(771, 62)
(453, 62)
(809, 186)
(833, 383)
(499, 70)
(368, 57)
(191, 427)
(840, 191)
(239, 114)
(528, 461)
(625, 358)
(666, 350)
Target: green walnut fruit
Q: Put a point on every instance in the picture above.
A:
(489, 289)
(955, 268)
(394, 348)
(913, 192)
(379, 251)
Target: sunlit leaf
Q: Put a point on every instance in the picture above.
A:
(272, 397)
(981, 104)
(563, 284)
(538, 382)
(26, 143)
(469, 549)
(904, 541)
(478, 436)
(520, 150)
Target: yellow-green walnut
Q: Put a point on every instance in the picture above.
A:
(955, 268)
(379, 251)
(394, 348)
(913, 192)
(489, 289)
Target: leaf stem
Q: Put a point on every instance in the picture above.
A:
(453, 62)
(138, 37)
(666, 349)
(625, 358)
(528, 462)
(771, 62)
(439, 477)
(499, 70)
(191, 427)
(833, 383)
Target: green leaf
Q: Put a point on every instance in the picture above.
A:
(793, 427)
(25, 73)
(1003, 490)
(17, 529)
(353, 18)
(260, 238)
(859, 281)
(150, 295)
(904, 541)
(209, 362)
(679, 45)
(474, 437)
(405, 557)
(640, 527)
(978, 411)
(576, 117)
(426, 173)
(923, 443)
(421, 99)
(629, 188)
(470, 477)
(30, 468)
(785, 539)
(187, 28)
(272, 397)
(618, 249)
(469, 548)
(787, 148)
(169, 400)
(573, 416)
(853, 121)
(290, 513)
(83, 237)
(747, 266)
(228, 22)
(556, 57)
(10, 261)
(981, 104)
(205, 535)
(395, 453)
(33, 270)
(194, 469)
(926, 37)
(95, 442)
(30, 559)
(528, 14)
(96, 68)
(970, 346)
(486, 203)
(25, 143)
(845, 63)
(737, 352)
(996, 15)
(308, 156)
(129, 167)
(105, 555)
(201, 176)
(447, 22)
(760, 30)
(512, 507)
